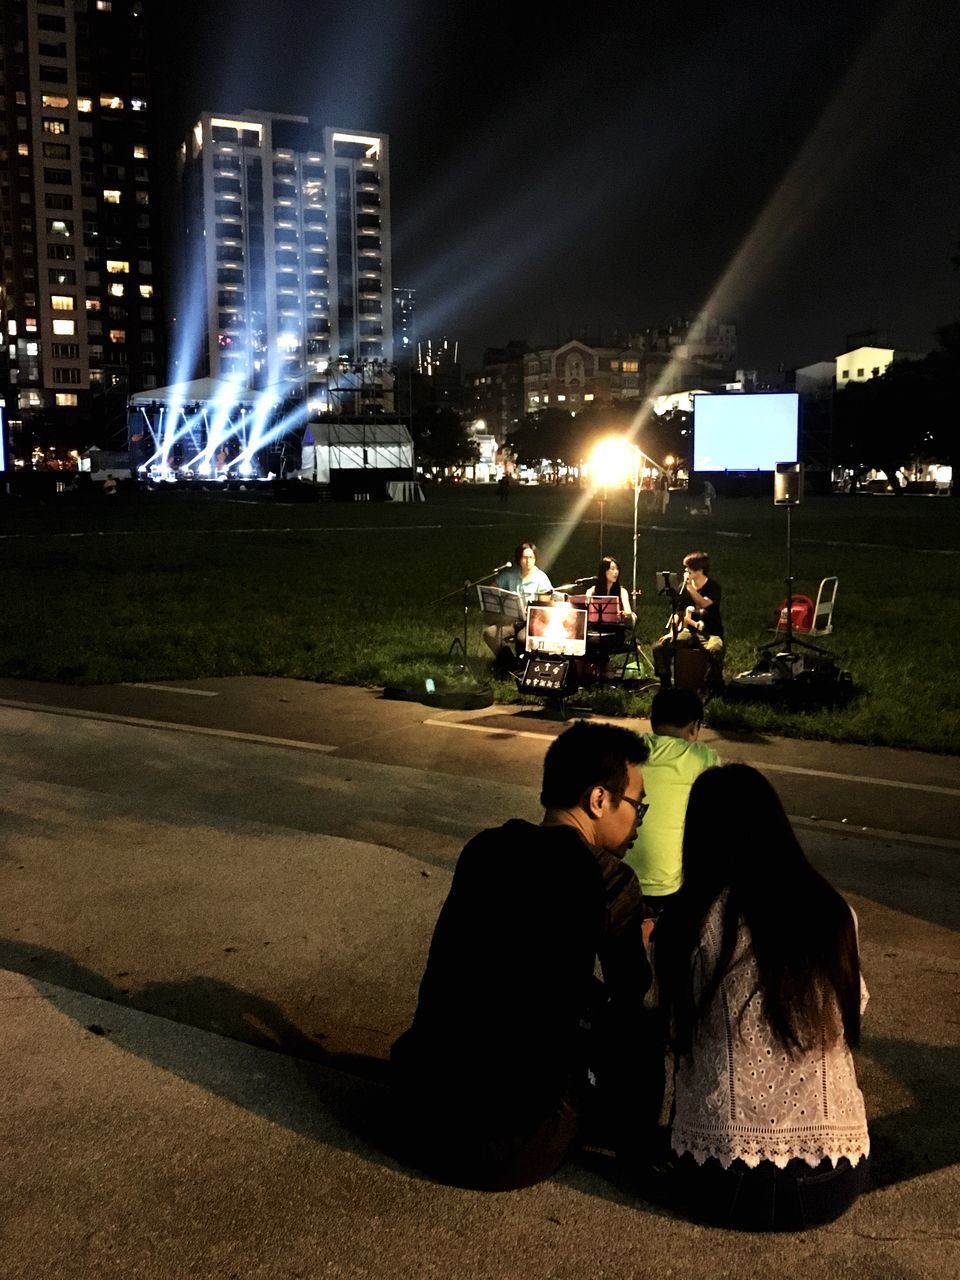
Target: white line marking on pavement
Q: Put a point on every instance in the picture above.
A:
(930, 789)
(876, 833)
(170, 688)
(856, 777)
(138, 721)
(484, 728)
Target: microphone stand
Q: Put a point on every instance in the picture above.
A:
(456, 643)
(673, 595)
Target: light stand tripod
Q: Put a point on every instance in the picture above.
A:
(788, 490)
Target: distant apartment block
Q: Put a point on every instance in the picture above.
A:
(576, 377)
(288, 250)
(702, 340)
(864, 363)
(79, 303)
(496, 392)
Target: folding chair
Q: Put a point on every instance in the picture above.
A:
(823, 609)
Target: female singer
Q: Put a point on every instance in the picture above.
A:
(608, 584)
(759, 978)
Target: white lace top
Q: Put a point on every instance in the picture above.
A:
(741, 1094)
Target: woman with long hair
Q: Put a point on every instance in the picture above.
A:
(608, 583)
(759, 979)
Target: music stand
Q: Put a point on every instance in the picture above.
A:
(458, 643)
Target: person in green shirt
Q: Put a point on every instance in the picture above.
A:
(676, 759)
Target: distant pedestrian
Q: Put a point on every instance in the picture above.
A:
(503, 486)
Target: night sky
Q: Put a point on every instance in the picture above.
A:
(795, 168)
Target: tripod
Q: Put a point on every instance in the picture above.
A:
(784, 651)
(458, 643)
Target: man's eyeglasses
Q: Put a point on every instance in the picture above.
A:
(639, 805)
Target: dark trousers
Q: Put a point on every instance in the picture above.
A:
(767, 1198)
(454, 1130)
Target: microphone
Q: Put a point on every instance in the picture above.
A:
(508, 564)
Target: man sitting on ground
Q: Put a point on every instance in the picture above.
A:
(531, 584)
(514, 1038)
(696, 621)
(676, 758)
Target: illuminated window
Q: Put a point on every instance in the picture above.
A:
(116, 290)
(111, 196)
(59, 227)
(12, 328)
(117, 266)
(30, 324)
(54, 100)
(62, 302)
(143, 197)
(23, 149)
(140, 152)
(65, 328)
(93, 304)
(146, 291)
(561, 397)
(33, 348)
(85, 105)
(66, 399)
(110, 102)
(56, 127)
(631, 366)
(118, 335)
(105, 6)
(137, 104)
(588, 395)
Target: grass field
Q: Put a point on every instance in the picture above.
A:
(174, 585)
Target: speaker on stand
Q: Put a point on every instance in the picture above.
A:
(781, 673)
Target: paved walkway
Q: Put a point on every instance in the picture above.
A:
(210, 936)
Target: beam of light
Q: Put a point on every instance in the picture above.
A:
(147, 420)
(289, 422)
(170, 436)
(221, 425)
(853, 120)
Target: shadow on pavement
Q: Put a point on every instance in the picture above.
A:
(909, 1142)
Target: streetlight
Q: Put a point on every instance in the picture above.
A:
(616, 461)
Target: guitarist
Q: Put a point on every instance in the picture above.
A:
(696, 620)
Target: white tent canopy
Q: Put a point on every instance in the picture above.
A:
(355, 446)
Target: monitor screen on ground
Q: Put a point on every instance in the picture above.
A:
(557, 628)
(750, 432)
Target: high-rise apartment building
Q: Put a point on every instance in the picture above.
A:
(79, 302)
(288, 252)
